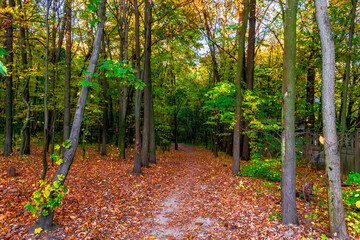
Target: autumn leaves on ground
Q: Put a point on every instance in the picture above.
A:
(188, 194)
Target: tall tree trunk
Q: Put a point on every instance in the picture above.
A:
(46, 112)
(25, 95)
(347, 69)
(332, 156)
(67, 115)
(238, 84)
(137, 149)
(8, 46)
(105, 106)
(250, 72)
(124, 105)
(45, 222)
(288, 187)
(147, 88)
(152, 140)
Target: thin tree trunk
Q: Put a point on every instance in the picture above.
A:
(250, 72)
(67, 115)
(105, 105)
(152, 143)
(124, 105)
(46, 112)
(137, 149)
(347, 69)
(288, 187)
(238, 83)
(332, 156)
(45, 222)
(8, 45)
(25, 130)
(147, 88)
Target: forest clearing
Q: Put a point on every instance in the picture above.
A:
(188, 194)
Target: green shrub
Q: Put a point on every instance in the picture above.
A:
(262, 169)
(352, 203)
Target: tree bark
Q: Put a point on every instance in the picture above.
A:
(45, 222)
(332, 156)
(105, 106)
(152, 140)
(238, 84)
(250, 72)
(288, 187)
(347, 69)
(25, 130)
(147, 88)
(67, 115)
(137, 149)
(46, 112)
(8, 46)
(124, 105)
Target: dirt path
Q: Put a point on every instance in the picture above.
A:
(174, 219)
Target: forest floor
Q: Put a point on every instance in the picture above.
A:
(188, 194)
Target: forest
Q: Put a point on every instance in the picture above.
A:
(179, 119)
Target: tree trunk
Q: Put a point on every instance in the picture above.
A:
(238, 83)
(152, 140)
(250, 72)
(25, 130)
(288, 187)
(124, 105)
(137, 149)
(8, 46)
(147, 88)
(347, 69)
(67, 115)
(105, 106)
(46, 112)
(332, 157)
(45, 222)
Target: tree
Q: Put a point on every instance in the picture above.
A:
(9, 59)
(250, 72)
(288, 178)
(147, 88)
(137, 149)
(67, 71)
(46, 111)
(332, 156)
(45, 222)
(347, 68)
(238, 84)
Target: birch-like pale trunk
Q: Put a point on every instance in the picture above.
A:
(332, 155)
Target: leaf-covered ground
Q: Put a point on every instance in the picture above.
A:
(188, 194)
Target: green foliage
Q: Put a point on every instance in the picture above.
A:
(58, 157)
(93, 7)
(262, 169)
(221, 103)
(274, 215)
(3, 70)
(123, 71)
(352, 197)
(352, 202)
(48, 198)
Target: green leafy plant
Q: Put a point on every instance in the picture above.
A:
(123, 71)
(274, 215)
(58, 157)
(262, 169)
(3, 70)
(48, 198)
(352, 202)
